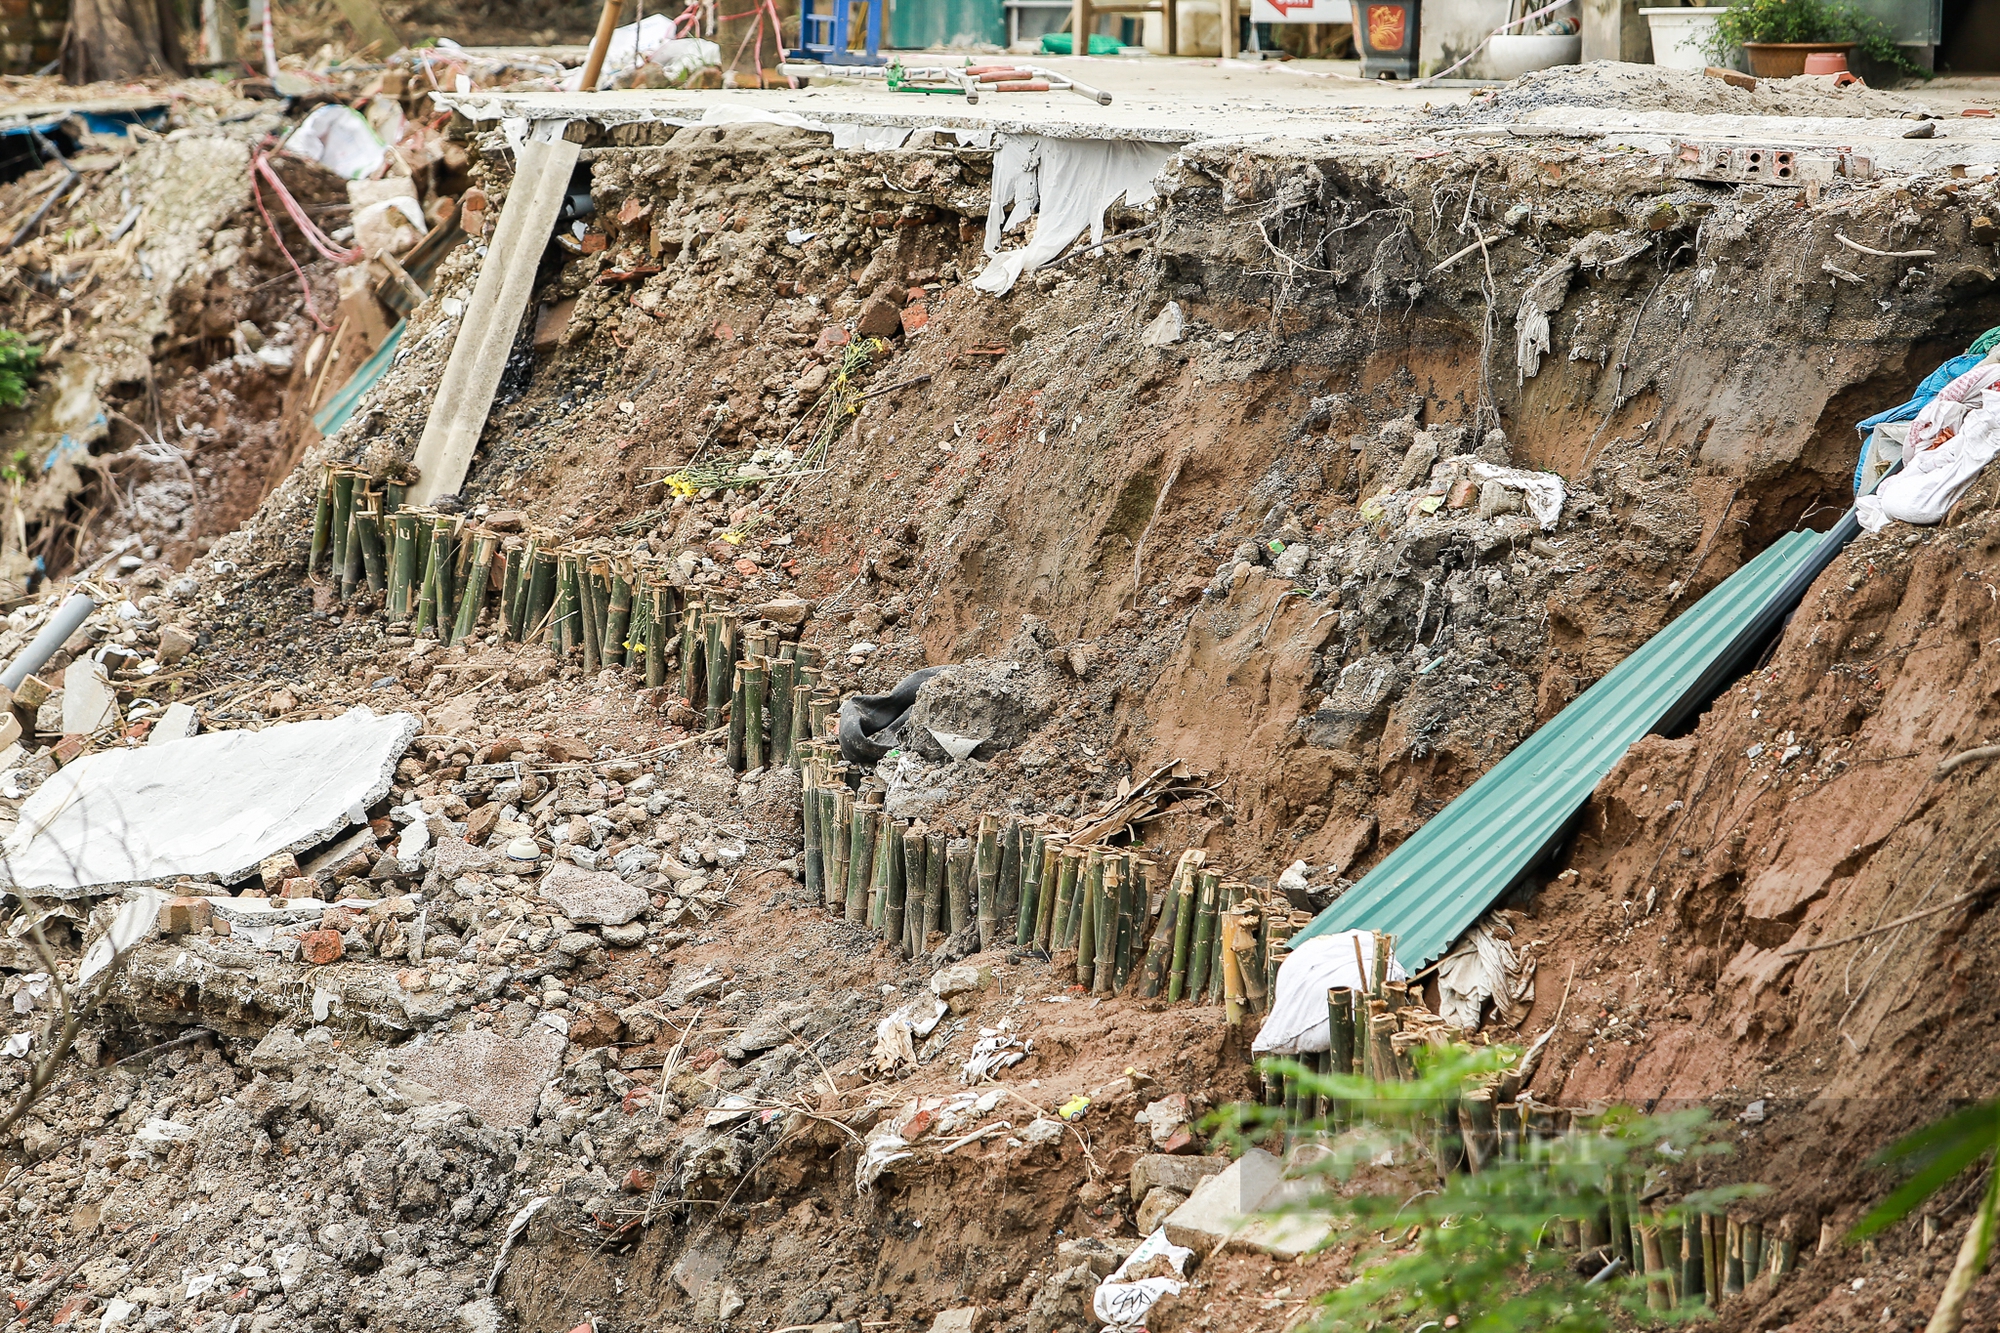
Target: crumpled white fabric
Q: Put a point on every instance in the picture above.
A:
(1065, 184)
(1296, 1024)
(1123, 1302)
(1484, 966)
(1942, 458)
(1544, 490)
(882, 1147)
(515, 1227)
(895, 1036)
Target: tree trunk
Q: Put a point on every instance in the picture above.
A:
(117, 40)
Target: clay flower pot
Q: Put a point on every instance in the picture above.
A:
(1786, 60)
(1826, 62)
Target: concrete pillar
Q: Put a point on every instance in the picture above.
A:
(1616, 30)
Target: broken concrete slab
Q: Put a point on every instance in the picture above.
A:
(175, 723)
(498, 1078)
(1253, 1204)
(89, 704)
(1185, 1174)
(210, 807)
(592, 897)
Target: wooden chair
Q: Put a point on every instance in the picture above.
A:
(1083, 16)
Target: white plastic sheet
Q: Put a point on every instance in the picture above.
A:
(340, 139)
(1945, 454)
(209, 807)
(1065, 185)
(1296, 1024)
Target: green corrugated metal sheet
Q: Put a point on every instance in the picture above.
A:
(1435, 885)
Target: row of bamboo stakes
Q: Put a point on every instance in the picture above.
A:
(441, 574)
(1196, 936)
(1200, 937)
(1372, 1033)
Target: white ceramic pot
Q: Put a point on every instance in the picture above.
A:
(1511, 55)
(1680, 34)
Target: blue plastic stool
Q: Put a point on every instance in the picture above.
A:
(824, 37)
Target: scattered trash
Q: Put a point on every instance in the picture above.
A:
(340, 139)
(1151, 1271)
(1065, 185)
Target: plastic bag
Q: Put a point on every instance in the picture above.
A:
(340, 139)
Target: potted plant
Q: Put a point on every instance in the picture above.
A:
(1682, 34)
(1778, 35)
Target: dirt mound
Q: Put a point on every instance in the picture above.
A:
(1613, 85)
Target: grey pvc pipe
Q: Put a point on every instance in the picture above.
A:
(69, 617)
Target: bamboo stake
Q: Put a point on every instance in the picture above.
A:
(860, 863)
(1068, 860)
(815, 865)
(565, 630)
(1119, 888)
(1160, 951)
(1711, 1256)
(589, 622)
(782, 675)
(899, 884)
(1031, 890)
(618, 619)
(444, 533)
(914, 880)
(958, 876)
(374, 553)
(842, 833)
(656, 636)
(1090, 877)
(1008, 905)
(403, 565)
(541, 597)
(474, 598)
(1732, 1271)
(1689, 1245)
(753, 714)
(1200, 964)
(1753, 1251)
(718, 680)
(510, 589)
(988, 874)
(1232, 968)
(341, 519)
(1183, 894)
(322, 527)
(935, 901)
(738, 722)
(880, 870)
(1049, 919)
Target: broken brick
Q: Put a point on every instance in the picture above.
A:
(878, 318)
(639, 1181)
(479, 824)
(594, 242)
(320, 947)
(915, 316)
(70, 748)
(275, 870)
(299, 886)
(184, 916)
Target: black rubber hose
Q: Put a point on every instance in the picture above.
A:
(865, 716)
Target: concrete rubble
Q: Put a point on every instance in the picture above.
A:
(440, 983)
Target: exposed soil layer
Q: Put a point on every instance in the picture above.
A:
(1261, 548)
